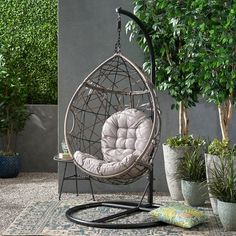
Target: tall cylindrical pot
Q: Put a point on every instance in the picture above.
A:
(210, 160)
(171, 160)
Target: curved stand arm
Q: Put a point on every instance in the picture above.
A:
(146, 35)
(153, 75)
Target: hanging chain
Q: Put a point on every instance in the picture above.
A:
(117, 46)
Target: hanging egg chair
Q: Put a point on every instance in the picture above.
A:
(112, 129)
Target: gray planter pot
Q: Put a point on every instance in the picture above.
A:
(194, 193)
(171, 159)
(227, 213)
(210, 160)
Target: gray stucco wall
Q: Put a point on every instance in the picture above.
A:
(37, 144)
(87, 34)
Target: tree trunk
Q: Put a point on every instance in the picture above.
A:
(8, 135)
(225, 115)
(183, 120)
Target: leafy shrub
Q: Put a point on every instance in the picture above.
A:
(192, 167)
(184, 141)
(221, 148)
(13, 113)
(28, 38)
(223, 181)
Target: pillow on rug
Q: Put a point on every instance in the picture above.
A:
(179, 214)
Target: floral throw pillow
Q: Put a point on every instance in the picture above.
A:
(179, 214)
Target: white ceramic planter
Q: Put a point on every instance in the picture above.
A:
(227, 213)
(210, 160)
(194, 193)
(171, 160)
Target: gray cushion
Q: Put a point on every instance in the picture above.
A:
(124, 136)
(124, 133)
(101, 167)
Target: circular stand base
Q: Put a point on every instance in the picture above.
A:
(104, 222)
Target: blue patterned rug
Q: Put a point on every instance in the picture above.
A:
(48, 218)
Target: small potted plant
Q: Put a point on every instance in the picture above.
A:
(223, 187)
(192, 173)
(174, 149)
(215, 151)
(13, 115)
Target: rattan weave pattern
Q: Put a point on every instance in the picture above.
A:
(115, 85)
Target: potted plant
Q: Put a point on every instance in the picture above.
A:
(191, 171)
(13, 115)
(177, 71)
(174, 149)
(216, 56)
(215, 151)
(223, 187)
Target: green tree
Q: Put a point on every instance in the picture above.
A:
(13, 113)
(28, 35)
(170, 24)
(195, 47)
(216, 25)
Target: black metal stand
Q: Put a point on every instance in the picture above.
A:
(104, 222)
(153, 76)
(129, 208)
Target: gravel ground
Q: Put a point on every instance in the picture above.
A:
(16, 193)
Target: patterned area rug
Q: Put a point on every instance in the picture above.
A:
(48, 218)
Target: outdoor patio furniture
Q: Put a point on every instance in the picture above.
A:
(112, 129)
(75, 177)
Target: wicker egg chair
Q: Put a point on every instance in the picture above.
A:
(112, 129)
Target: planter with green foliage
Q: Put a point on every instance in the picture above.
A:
(174, 149)
(13, 115)
(223, 187)
(217, 76)
(216, 151)
(191, 171)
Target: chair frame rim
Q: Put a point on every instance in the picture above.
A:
(155, 126)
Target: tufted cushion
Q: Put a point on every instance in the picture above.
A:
(124, 133)
(124, 136)
(101, 167)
